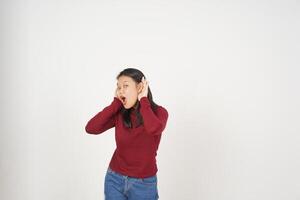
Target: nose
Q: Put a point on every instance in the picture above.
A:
(121, 92)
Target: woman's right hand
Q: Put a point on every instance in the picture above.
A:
(116, 93)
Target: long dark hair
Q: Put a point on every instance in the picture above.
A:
(137, 76)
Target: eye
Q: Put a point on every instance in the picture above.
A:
(125, 85)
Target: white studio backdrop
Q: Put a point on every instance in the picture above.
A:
(227, 72)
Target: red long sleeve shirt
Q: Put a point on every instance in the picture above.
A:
(135, 153)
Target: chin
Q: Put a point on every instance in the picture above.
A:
(127, 107)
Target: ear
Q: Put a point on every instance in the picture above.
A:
(140, 87)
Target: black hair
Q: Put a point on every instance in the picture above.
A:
(137, 76)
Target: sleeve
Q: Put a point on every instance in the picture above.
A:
(104, 119)
(154, 123)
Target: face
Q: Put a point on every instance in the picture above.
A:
(128, 90)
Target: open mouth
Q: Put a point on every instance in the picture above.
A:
(123, 99)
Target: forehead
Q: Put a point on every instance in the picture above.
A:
(124, 79)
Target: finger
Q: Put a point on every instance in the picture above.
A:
(143, 81)
(146, 84)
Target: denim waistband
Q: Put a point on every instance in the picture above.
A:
(125, 176)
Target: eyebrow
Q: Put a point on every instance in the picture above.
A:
(123, 82)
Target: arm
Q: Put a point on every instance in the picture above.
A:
(154, 123)
(104, 119)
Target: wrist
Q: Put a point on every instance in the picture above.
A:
(140, 97)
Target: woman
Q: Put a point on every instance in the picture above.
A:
(139, 123)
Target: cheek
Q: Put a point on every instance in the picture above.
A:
(133, 96)
(132, 93)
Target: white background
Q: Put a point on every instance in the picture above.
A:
(227, 72)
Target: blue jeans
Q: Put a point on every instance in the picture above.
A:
(120, 187)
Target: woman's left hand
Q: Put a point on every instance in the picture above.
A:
(144, 92)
